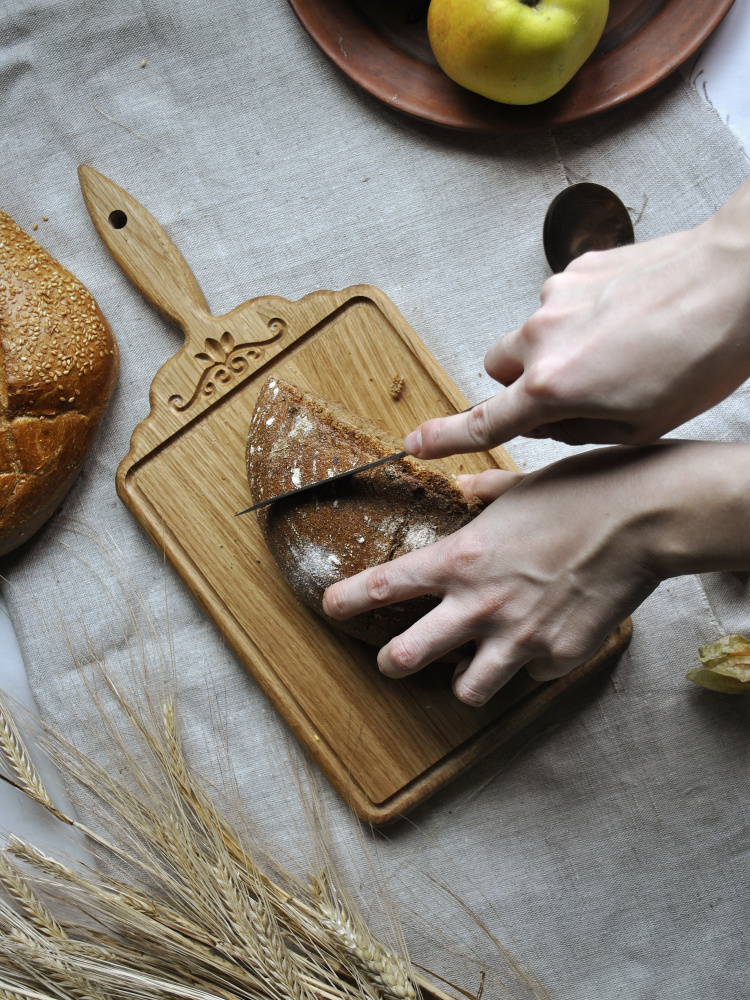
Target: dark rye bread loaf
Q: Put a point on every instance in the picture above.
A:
(336, 531)
(58, 364)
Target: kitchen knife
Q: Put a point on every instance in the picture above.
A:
(332, 479)
(323, 482)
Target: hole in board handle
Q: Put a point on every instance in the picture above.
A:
(118, 219)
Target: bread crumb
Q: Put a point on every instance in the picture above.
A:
(143, 63)
(35, 226)
(45, 218)
(397, 386)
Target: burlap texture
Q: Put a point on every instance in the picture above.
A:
(613, 849)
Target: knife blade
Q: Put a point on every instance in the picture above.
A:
(323, 482)
(332, 479)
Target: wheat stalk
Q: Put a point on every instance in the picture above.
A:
(372, 962)
(349, 941)
(18, 991)
(178, 908)
(32, 945)
(255, 939)
(267, 906)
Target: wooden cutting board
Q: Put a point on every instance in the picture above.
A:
(385, 745)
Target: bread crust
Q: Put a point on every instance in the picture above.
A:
(335, 531)
(58, 367)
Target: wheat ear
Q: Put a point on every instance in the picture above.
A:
(14, 751)
(28, 948)
(18, 991)
(19, 889)
(383, 967)
(371, 962)
(139, 920)
(201, 921)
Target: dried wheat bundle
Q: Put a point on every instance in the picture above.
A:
(175, 904)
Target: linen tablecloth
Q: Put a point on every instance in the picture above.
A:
(613, 850)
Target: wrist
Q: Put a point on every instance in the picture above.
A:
(695, 517)
(729, 227)
(725, 243)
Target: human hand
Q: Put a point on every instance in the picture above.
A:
(559, 558)
(538, 579)
(627, 344)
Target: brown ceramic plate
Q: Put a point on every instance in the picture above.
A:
(382, 46)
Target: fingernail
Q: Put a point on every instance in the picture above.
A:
(466, 483)
(413, 442)
(328, 605)
(469, 697)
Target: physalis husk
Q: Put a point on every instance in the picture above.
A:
(726, 665)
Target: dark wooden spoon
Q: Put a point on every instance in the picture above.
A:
(584, 217)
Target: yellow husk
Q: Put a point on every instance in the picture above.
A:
(726, 665)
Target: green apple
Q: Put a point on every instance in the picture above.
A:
(514, 51)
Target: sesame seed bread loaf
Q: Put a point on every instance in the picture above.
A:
(58, 364)
(336, 531)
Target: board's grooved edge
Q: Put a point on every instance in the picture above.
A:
(225, 397)
(255, 663)
(526, 712)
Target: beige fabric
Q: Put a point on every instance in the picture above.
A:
(614, 849)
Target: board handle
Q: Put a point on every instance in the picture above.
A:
(143, 250)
